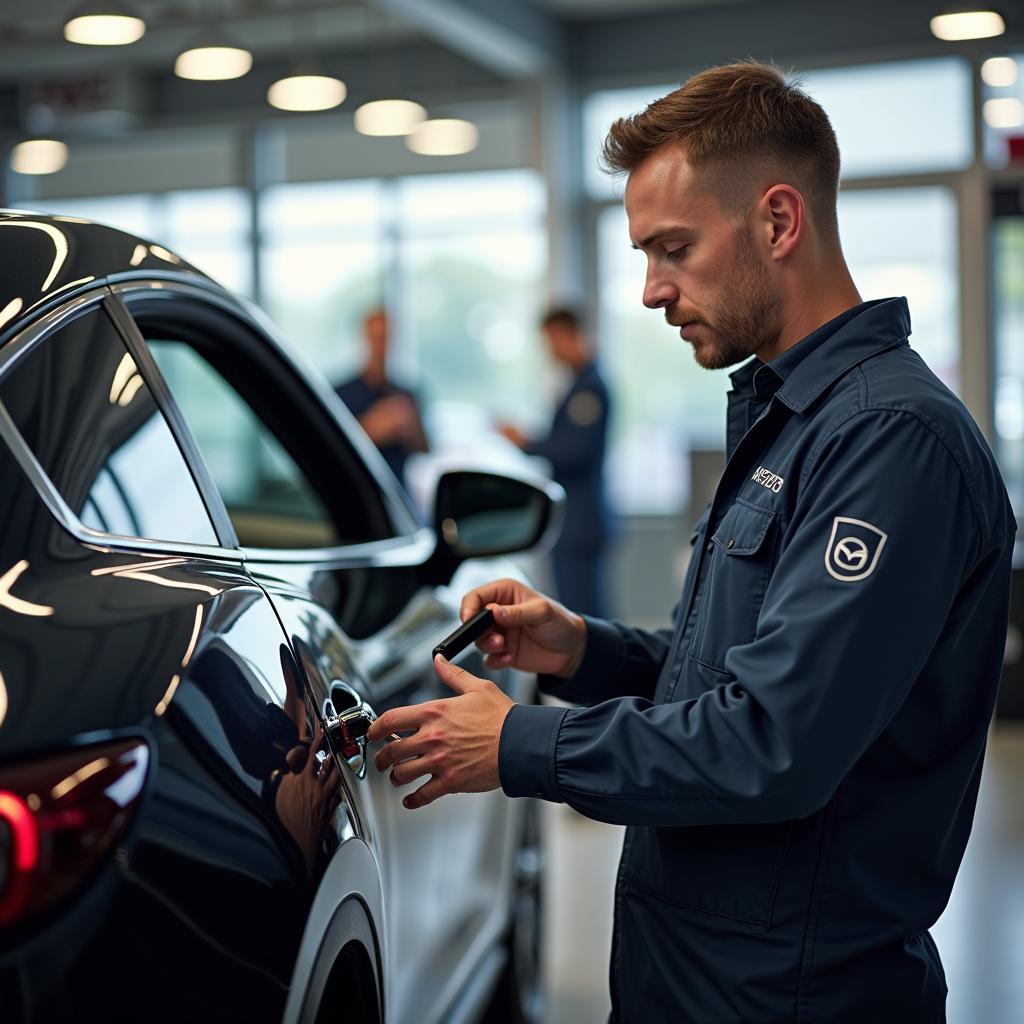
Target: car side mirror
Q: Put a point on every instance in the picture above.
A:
(479, 514)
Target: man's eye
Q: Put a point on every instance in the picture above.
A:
(676, 254)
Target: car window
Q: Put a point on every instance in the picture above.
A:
(269, 499)
(83, 408)
(288, 472)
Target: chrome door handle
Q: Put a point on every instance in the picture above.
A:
(346, 728)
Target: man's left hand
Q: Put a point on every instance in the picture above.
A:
(455, 741)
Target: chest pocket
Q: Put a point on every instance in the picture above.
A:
(741, 559)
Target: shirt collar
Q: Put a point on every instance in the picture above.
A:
(806, 369)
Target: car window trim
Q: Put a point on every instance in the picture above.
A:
(404, 521)
(405, 551)
(197, 467)
(35, 334)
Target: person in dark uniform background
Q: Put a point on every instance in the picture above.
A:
(797, 758)
(575, 447)
(388, 413)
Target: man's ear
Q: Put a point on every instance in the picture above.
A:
(783, 215)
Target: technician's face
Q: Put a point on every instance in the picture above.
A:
(703, 267)
(560, 342)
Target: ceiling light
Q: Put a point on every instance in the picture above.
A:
(389, 117)
(1004, 113)
(443, 137)
(103, 24)
(212, 58)
(968, 25)
(307, 92)
(39, 156)
(999, 71)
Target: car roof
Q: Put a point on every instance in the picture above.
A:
(47, 258)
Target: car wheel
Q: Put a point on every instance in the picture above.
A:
(519, 997)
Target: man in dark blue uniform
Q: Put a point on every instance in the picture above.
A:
(575, 447)
(798, 757)
(388, 413)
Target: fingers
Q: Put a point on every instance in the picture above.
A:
(457, 678)
(426, 794)
(407, 719)
(408, 771)
(531, 612)
(503, 591)
(401, 750)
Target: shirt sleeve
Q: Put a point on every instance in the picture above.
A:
(833, 656)
(618, 661)
(576, 441)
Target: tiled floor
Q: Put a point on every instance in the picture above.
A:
(981, 935)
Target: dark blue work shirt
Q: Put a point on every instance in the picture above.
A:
(359, 395)
(575, 447)
(798, 757)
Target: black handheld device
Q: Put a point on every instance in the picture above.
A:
(472, 629)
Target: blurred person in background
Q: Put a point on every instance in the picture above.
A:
(575, 447)
(388, 413)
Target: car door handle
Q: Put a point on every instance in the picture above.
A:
(347, 718)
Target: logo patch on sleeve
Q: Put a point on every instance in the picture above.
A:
(853, 549)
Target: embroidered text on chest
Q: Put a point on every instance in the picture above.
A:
(766, 478)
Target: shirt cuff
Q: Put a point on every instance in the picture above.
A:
(526, 751)
(603, 661)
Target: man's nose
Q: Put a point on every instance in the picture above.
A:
(658, 292)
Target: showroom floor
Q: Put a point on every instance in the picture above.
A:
(981, 935)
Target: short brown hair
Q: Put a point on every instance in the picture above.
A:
(742, 121)
(562, 316)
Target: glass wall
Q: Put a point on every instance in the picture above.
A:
(207, 227)
(1003, 108)
(898, 118)
(459, 259)
(905, 241)
(1008, 263)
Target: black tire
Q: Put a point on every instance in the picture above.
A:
(519, 996)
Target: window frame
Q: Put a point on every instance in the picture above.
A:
(38, 333)
(410, 542)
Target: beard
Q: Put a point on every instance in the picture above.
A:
(752, 319)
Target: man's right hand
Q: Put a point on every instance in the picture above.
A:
(392, 419)
(531, 632)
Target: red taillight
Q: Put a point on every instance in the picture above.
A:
(59, 818)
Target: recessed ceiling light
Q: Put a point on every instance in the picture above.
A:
(39, 156)
(443, 136)
(212, 58)
(307, 92)
(389, 117)
(103, 24)
(967, 25)
(1007, 112)
(999, 72)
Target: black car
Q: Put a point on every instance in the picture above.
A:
(210, 583)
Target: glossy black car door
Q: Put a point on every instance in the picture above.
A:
(135, 620)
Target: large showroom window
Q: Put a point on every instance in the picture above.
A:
(459, 259)
(471, 273)
(1002, 77)
(898, 118)
(904, 241)
(900, 238)
(1008, 285)
(207, 227)
(324, 262)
